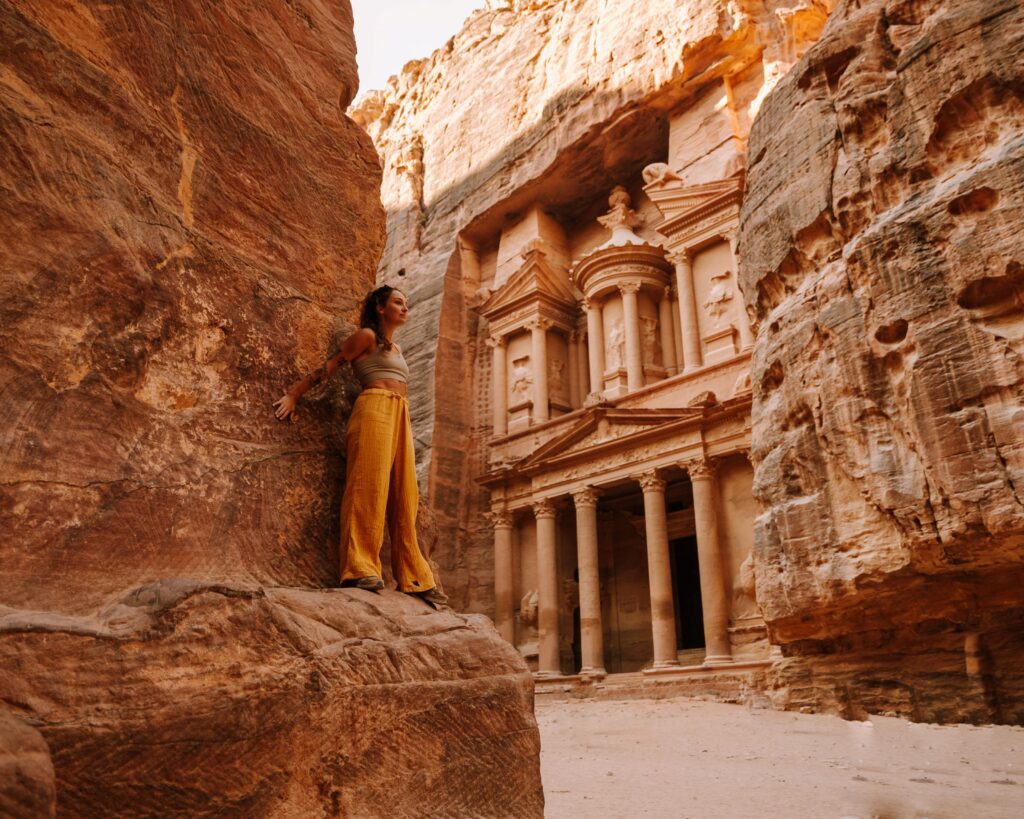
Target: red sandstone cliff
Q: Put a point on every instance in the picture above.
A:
(188, 218)
(882, 248)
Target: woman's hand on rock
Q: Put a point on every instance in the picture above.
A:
(285, 407)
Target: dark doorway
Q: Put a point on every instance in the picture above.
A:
(686, 589)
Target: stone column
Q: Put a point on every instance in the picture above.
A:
(692, 356)
(742, 321)
(634, 352)
(575, 400)
(591, 634)
(714, 600)
(548, 661)
(499, 368)
(659, 568)
(539, 337)
(504, 603)
(677, 332)
(668, 341)
(583, 367)
(595, 346)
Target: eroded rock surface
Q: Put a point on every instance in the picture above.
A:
(188, 217)
(190, 699)
(882, 249)
(27, 787)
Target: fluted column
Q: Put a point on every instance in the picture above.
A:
(575, 399)
(742, 321)
(591, 633)
(634, 352)
(548, 661)
(539, 337)
(668, 342)
(714, 601)
(595, 346)
(659, 568)
(499, 371)
(504, 602)
(692, 356)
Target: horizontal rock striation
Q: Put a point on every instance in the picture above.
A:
(184, 698)
(882, 250)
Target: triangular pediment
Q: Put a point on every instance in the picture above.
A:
(675, 200)
(601, 426)
(537, 279)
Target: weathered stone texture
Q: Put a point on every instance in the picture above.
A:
(187, 699)
(27, 787)
(172, 258)
(882, 250)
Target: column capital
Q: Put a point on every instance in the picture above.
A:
(587, 496)
(544, 508)
(669, 292)
(539, 324)
(629, 287)
(497, 341)
(575, 336)
(651, 481)
(681, 257)
(500, 518)
(701, 468)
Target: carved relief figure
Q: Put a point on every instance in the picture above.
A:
(661, 173)
(717, 302)
(744, 602)
(650, 341)
(522, 379)
(556, 379)
(615, 351)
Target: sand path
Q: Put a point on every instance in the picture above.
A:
(685, 758)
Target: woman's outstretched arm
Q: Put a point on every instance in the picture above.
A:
(355, 345)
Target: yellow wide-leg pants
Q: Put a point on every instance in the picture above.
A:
(380, 485)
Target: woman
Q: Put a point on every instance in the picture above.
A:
(380, 469)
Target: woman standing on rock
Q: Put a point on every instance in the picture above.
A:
(380, 480)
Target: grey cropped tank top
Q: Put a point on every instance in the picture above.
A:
(381, 364)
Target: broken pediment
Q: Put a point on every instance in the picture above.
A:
(680, 204)
(536, 280)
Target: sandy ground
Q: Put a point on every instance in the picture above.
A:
(685, 758)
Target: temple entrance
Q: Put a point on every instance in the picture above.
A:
(686, 589)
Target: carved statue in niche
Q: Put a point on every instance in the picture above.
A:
(744, 595)
(556, 378)
(650, 341)
(615, 351)
(717, 302)
(528, 608)
(522, 379)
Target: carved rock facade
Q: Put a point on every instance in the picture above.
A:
(882, 250)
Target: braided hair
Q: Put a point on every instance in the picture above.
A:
(371, 318)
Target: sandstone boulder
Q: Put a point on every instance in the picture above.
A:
(185, 698)
(882, 251)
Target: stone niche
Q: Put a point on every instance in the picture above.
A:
(882, 251)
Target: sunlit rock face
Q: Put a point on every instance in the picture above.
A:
(882, 248)
(189, 220)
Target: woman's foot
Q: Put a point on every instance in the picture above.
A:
(434, 596)
(368, 583)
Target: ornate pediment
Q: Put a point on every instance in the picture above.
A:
(604, 426)
(681, 205)
(536, 280)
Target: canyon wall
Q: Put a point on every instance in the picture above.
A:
(550, 102)
(189, 221)
(882, 249)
